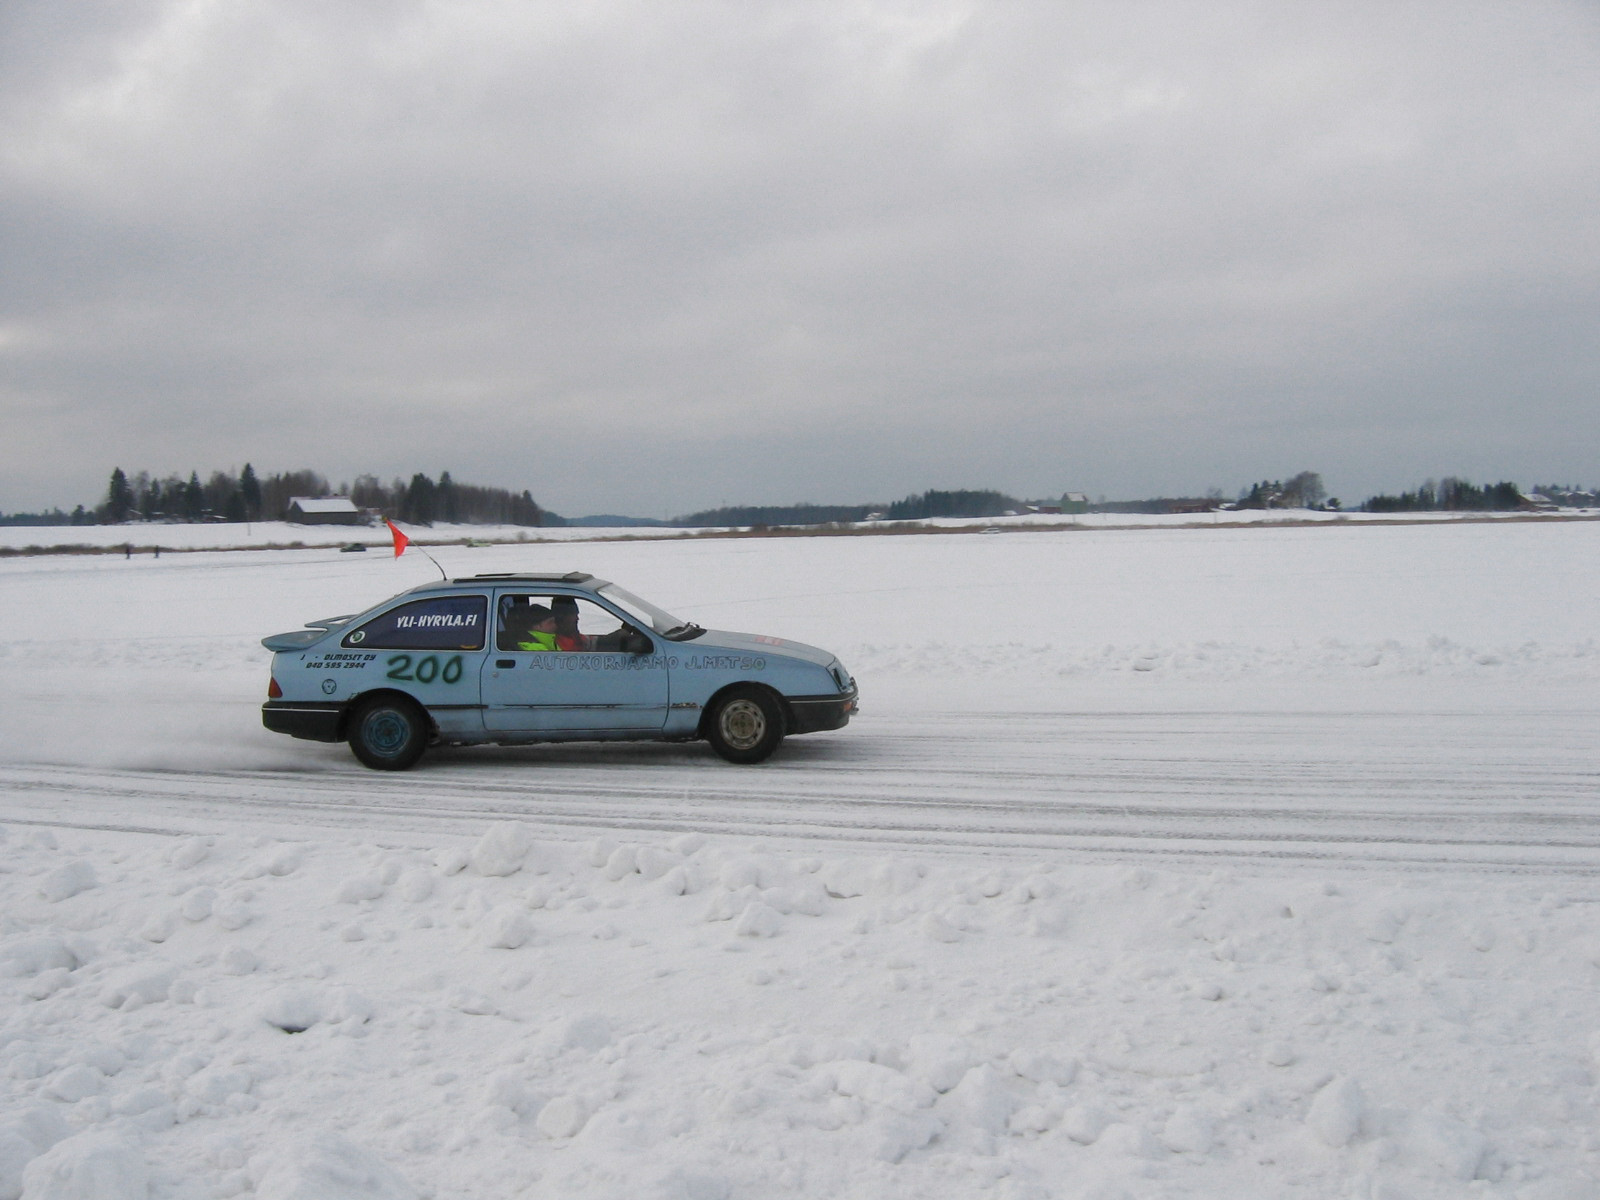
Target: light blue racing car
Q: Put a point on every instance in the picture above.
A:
(542, 658)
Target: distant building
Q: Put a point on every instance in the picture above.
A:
(1075, 502)
(324, 510)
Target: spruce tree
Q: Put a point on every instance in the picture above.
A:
(420, 500)
(250, 493)
(119, 498)
(194, 498)
(447, 499)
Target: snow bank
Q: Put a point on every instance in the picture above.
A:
(262, 534)
(693, 1017)
(265, 534)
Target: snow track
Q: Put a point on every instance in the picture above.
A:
(1185, 863)
(1517, 792)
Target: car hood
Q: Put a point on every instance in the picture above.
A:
(750, 643)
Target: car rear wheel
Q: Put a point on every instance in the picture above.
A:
(388, 733)
(745, 724)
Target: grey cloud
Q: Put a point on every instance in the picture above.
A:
(652, 257)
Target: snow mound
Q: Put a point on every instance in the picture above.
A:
(95, 1165)
(327, 1167)
(23, 1137)
(840, 1022)
(295, 1008)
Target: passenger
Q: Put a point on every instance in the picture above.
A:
(514, 626)
(540, 630)
(565, 610)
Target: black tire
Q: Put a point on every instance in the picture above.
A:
(745, 724)
(388, 733)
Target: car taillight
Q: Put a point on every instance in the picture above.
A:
(274, 692)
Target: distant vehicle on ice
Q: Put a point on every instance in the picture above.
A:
(543, 658)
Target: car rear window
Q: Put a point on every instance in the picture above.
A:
(438, 623)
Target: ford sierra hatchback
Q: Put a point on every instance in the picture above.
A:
(513, 659)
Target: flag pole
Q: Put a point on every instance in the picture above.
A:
(401, 541)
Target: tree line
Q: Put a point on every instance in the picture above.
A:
(1304, 490)
(424, 501)
(913, 508)
(246, 496)
(1450, 495)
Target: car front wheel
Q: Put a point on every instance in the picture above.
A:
(745, 724)
(388, 733)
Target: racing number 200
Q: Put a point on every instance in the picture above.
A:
(426, 669)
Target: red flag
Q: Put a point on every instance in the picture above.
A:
(401, 541)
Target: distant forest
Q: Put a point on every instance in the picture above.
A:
(1450, 495)
(1304, 490)
(1458, 495)
(225, 496)
(246, 497)
(913, 508)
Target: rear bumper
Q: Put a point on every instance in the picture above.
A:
(314, 722)
(813, 714)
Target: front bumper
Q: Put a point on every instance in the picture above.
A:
(311, 721)
(813, 714)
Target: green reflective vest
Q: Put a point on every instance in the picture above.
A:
(535, 640)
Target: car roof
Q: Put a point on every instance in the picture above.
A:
(578, 578)
(530, 576)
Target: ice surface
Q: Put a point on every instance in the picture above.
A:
(933, 954)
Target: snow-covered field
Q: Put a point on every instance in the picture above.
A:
(1257, 862)
(270, 534)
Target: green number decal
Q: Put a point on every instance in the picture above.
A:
(427, 668)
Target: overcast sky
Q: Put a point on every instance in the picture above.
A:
(653, 257)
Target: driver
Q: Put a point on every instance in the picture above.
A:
(565, 611)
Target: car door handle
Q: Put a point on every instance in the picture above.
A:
(505, 662)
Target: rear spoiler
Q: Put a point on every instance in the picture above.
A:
(314, 632)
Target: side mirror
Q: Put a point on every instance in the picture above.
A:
(635, 642)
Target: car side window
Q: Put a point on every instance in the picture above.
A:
(579, 624)
(438, 623)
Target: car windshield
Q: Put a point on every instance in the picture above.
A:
(663, 622)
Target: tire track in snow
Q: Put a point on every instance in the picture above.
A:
(1276, 788)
